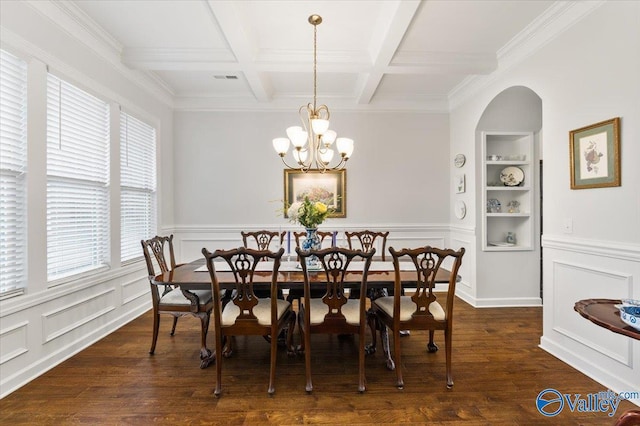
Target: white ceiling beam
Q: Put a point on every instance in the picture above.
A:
(387, 38)
(233, 29)
(179, 59)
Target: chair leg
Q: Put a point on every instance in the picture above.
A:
(272, 368)
(362, 379)
(431, 347)
(292, 325)
(219, 343)
(447, 348)
(300, 348)
(397, 354)
(173, 327)
(230, 346)
(372, 319)
(205, 353)
(156, 327)
(306, 342)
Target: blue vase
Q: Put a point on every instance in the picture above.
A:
(312, 242)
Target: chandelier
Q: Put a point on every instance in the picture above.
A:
(312, 141)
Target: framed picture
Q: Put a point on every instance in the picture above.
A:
(329, 187)
(595, 155)
(460, 185)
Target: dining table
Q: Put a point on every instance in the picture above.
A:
(380, 278)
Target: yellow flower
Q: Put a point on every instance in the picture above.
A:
(321, 207)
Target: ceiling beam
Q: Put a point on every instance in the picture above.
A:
(227, 18)
(385, 43)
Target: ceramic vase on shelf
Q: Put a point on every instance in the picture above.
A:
(312, 242)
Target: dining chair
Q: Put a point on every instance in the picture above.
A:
(421, 310)
(263, 240)
(366, 240)
(246, 314)
(174, 301)
(333, 313)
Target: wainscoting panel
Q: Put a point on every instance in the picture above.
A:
(39, 330)
(576, 282)
(576, 270)
(13, 341)
(78, 313)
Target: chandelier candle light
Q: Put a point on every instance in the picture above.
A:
(312, 141)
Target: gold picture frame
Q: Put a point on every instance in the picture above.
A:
(329, 187)
(595, 155)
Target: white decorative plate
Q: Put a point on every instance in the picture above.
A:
(459, 160)
(629, 319)
(460, 209)
(512, 176)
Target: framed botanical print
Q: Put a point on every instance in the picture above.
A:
(595, 155)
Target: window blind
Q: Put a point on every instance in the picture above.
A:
(77, 180)
(13, 164)
(137, 185)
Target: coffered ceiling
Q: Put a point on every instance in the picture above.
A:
(372, 55)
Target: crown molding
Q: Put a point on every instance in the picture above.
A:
(561, 16)
(73, 21)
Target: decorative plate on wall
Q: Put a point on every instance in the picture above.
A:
(459, 160)
(460, 209)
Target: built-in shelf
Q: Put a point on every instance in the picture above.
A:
(499, 151)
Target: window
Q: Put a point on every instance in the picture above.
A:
(13, 164)
(77, 180)
(137, 185)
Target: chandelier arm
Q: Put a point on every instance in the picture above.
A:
(287, 165)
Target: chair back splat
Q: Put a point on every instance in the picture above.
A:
(366, 240)
(263, 239)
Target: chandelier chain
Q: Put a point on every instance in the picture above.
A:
(315, 66)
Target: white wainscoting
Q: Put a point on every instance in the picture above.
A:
(39, 330)
(576, 270)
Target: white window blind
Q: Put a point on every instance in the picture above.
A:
(77, 180)
(137, 185)
(13, 164)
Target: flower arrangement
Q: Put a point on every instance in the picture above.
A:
(307, 213)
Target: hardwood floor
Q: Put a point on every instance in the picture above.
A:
(498, 371)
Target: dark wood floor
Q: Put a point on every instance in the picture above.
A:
(497, 365)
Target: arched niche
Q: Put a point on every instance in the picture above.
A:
(510, 278)
(516, 108)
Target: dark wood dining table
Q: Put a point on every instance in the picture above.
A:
(381, 277)
(605, 313)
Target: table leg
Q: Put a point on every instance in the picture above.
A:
(384, 337)
(206, 357)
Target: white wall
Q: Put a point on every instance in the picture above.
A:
(588, 73)
(48, 324)
(228, 177)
